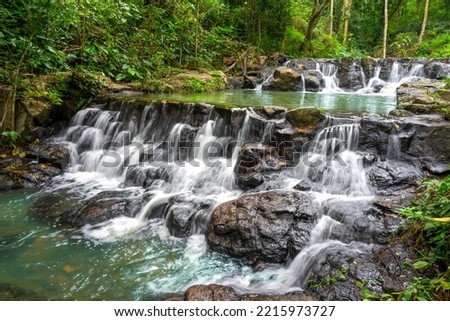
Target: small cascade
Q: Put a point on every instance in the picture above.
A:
(303, 83)
(396, 73)
(183, 165)
(329, 72)
(394, 146)
(331, 164)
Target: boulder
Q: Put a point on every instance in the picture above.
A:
(17, 172)
(305, 118)
(54, 153)
(212, 292)
(102, 207)
(423, 96)
(313, 80)
(347, 275)
(284, 79)
(437, 69)
(266, 227)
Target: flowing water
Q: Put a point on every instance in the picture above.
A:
(173, 163)
(165, 168)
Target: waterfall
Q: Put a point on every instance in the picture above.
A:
(331, 164)
(329, 72)
(189, 164)
(394, 147)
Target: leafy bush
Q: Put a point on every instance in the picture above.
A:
(435, 47)
(429, 227)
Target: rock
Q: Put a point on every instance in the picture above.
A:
(274, 111)
(255, 159)
(423, 96)
(197, 81)
(250, 181)
(350, 74)
(242, 82)
(313, 80)
(436, 69)
(100, 208)
(284, 79)
(305, 118)
(17, 172)
(183, 211)
(346, 275)
(266, 227)
(49, 152)
(277, 297)
(303, 186)
(422, 139)
(53, 204)
(212, 292)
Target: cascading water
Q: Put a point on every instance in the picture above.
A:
(328, 72)
(177, 164)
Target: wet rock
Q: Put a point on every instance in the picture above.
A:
(437, 69)
(51, 205)
(50, 152)
(360, 221)
(350, 74)
(303, 185)
(100, 208)
(242, 82)
(277, 297)
(266, 227)
(255, 159)
(212, 292)
(312, 80)
(304, 119)
(274, 111)
(184, 213)
(284, 79)
(17, 172)
(347, 275)
(422, 139)
(250, 181)
(389, 176)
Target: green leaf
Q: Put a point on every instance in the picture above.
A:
(420, 265)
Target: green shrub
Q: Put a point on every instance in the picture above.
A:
(429, 227)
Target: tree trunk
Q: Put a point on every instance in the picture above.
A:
(424, 22)
(331, 17)
(386, 21)
(316, 13)
(347, 10)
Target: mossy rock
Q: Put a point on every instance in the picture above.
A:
(304, 119)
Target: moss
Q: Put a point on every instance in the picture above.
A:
(304, 118)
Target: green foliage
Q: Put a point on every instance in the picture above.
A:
(403, 45)
(429, 224)
(293, 40)
(9, 138)
(436, 47)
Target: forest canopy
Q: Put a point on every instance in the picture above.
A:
(132, 39)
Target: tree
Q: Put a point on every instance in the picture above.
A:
(318, 7)
(386, 21)
(424, 22)
(331, 17)
(347, 10)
